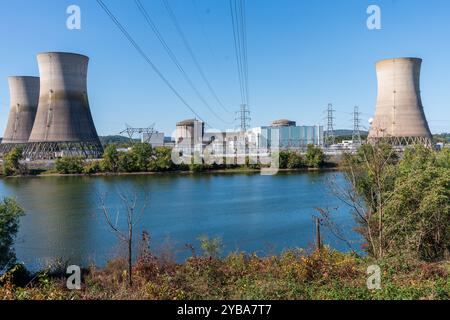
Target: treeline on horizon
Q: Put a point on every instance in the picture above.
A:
(142, 157)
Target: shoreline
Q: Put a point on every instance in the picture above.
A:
(182, 173)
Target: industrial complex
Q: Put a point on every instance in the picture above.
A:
(50, 117)
(399, 116)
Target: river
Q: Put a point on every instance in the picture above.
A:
(250, 212)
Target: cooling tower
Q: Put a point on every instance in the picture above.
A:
(24, 97)
(63, 124)
(399, 116)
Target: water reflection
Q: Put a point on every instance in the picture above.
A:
(250, 212)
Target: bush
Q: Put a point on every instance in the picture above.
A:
(92, 167)
(110, 162)
(314, 156)
(10, 212)
(11, 163)
(70, 165)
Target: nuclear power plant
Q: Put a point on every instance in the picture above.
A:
(50, 116)
(24, 97)
(399, 115)
(63, 123)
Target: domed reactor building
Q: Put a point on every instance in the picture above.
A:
(24, 98)
(399, 116)
(63, 125)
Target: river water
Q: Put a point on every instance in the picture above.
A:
(249, 212)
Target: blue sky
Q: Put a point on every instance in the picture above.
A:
(301, 55)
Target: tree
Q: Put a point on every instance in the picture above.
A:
(141, 154)
(161, 160)
(417, 214)
(70, 165)
(10, 213)
(294, 161)
(110, 160)
(370, 176)
(314, 156)
(11, 162)
(132, 217)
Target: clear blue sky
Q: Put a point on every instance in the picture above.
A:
(302, 55)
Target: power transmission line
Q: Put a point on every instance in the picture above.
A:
(356, 136)
(174, 59)
(238, 20)
(146, 57)
(243, 118)
(329, 137)
(191, 53)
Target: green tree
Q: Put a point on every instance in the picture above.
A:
(294, 161)
(10, 213)
(125, 162)
(110, 162)
(417, 215)
(70, 165)
(161, 160)
(11, 162)
(314, 156)
(141, 154)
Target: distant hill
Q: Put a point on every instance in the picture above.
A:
(115, 139)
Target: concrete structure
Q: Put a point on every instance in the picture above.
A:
(283, 123)
(286, 134)
(189, 136)
(399, 116)
(63, 124)
(24, 97)
(156, 139)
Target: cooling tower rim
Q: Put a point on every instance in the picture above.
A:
(62, 53)
(24, 77)
(400, 59)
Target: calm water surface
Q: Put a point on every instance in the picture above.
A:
(250, 212)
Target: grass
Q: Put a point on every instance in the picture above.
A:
(293, 275)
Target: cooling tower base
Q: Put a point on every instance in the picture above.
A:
(402, 142)
(7, 147)
(53, 150)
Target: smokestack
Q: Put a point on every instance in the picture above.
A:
(24, 97)
(63, 122)
(399, 116)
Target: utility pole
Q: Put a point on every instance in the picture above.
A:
(329, 137)
(243, 118)
(356, 136)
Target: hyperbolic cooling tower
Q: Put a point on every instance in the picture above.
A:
(24, 97)
(63, 120)
(399, 115)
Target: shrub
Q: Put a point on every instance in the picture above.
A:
(110, 160)
(70, 165)
(11, 163)
(10, 212)
(314, 156)
(93, 167)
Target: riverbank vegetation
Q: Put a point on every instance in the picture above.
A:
(142, 158)
(401, 206)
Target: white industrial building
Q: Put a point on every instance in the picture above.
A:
(285, 135)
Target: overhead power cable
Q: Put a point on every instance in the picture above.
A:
(146, 57)
(174, 59)
(238, 20)
(192, 54)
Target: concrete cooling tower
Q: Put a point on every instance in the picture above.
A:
(399, 116)
(63, 124)
(24, 97)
